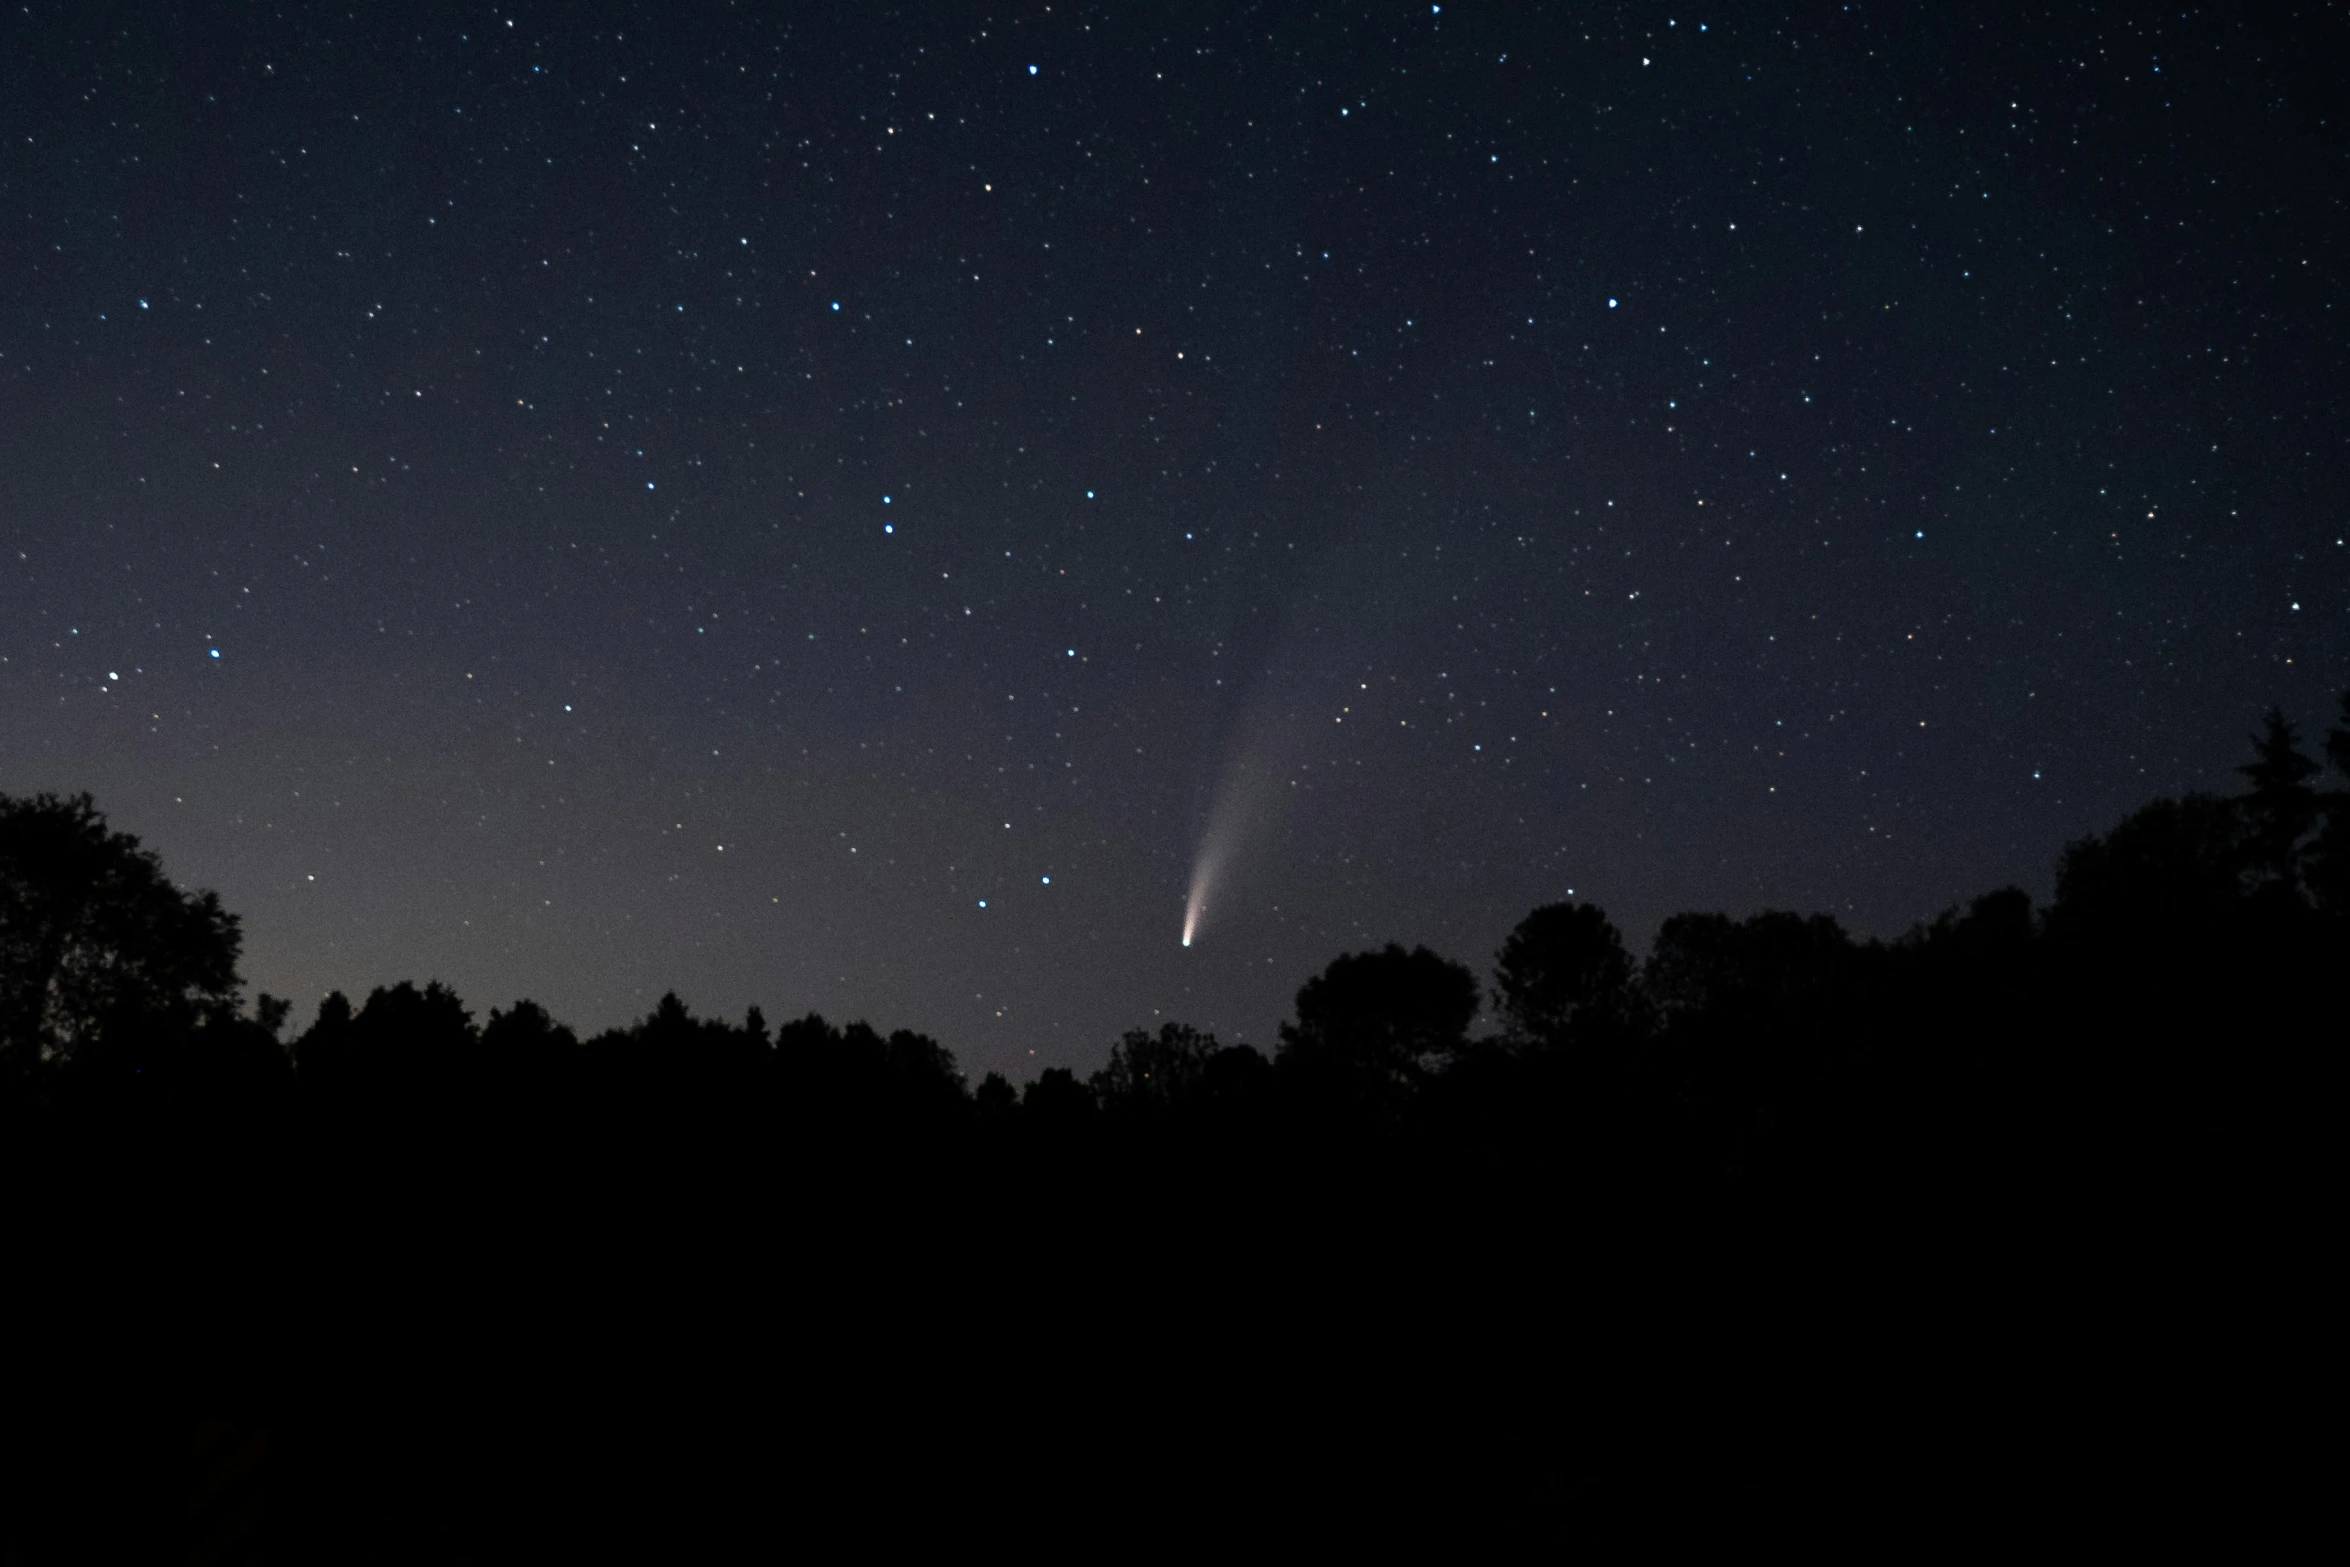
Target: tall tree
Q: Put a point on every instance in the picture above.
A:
(94, 935)
(2281, 807)
(1563, 976)
(2329, 857)
(1381, 1019)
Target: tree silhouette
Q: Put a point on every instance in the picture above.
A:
(524, 1052)
(2281, 807)
(922, 1069)
(1998, 923)
(1154, 1073)
(525, 1032)
(2169, 868)
(432, 1022)
(1712, 963)
(1753, 1021)
(326, 1044)
(404, 1053)
(1563, 976)
(2329, 857)
(271, 1012)
(93, 936)
(1374, 1025)
(995, 1098)
(1234, 1084)
(2146, 1064)
(1057, 1099)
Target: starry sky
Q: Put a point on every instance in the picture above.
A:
(872, 513)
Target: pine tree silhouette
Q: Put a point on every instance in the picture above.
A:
(2281, 807)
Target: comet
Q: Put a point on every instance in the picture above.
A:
(1204, 870)
(1262, 756)
(1246, 800)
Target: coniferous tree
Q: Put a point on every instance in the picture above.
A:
(2281, 807)
(2329, 856)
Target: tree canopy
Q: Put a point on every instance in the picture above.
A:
(2150, 1053)
(93, 935)
(1381, 1019)
(1563, 974)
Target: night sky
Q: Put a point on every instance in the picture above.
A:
(867, 515)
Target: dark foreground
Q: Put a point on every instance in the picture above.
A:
(604, 1327)
(2017, 1231)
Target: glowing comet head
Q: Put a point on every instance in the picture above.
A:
(1214, 851)
(1250, 796)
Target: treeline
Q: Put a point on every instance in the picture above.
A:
(1739, 1049)
(1400, 1207)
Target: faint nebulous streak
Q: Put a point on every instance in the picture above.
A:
(1244, 799)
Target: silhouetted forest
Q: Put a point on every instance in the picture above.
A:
(1771, 1218)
